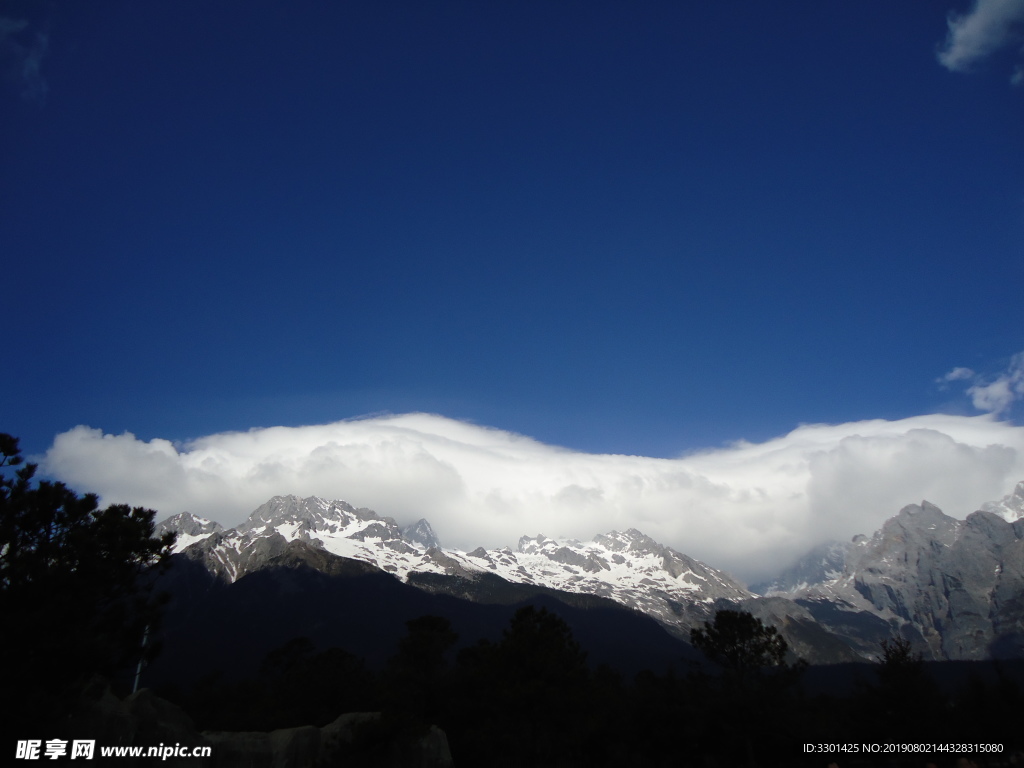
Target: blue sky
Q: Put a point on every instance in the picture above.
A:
(646, 228)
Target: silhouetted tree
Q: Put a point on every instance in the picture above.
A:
(295, 685)
(416, 673)
(661, 712)
(756, 684)
(73, 590)
(285, 659)
(525, 700)
(538, 649)
(905, 696)
(741, 643)
(422, 650)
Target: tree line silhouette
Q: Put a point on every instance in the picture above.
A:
(531, 699)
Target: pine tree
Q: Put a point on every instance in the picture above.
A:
(73, 587)
(756, 684)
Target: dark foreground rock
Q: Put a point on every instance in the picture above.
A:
(354, 739)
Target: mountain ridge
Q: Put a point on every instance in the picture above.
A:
(953, 588)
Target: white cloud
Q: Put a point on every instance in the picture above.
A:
(994, 397)
(989, 26)
(748, 508)
(957, 374)
(993, 394)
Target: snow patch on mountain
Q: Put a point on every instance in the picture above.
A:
(190, 529)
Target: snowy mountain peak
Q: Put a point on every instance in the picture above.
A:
(334, 526)
(1010, 508)
(308, 514)
(618, 560)
(421, 533)
(632, 541)
(190, 529)
(628, 567)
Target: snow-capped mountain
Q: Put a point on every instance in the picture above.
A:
(954, 587)
(627, 567)
(420, 532)
(338, 527)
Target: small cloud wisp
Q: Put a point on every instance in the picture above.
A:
(993, 394)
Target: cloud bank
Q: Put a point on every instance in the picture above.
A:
(988, 27)
(748, 508)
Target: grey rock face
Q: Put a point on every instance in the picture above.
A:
(229, 556)
(421, 533)
(954, 587)
(939, 575)
(807, 638)
(820, 565)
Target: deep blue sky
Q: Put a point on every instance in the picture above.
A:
(621, 227)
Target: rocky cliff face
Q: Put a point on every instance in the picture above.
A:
(956, 587)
